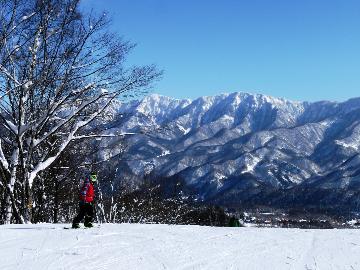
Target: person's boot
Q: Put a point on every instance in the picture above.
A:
(87, 222)
(88, 225)
(75, 226)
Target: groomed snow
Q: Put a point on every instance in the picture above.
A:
(135, 246)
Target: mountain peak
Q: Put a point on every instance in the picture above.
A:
(225, 95)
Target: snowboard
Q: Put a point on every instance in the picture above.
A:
(81, 227)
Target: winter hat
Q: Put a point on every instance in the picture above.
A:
(93, 176)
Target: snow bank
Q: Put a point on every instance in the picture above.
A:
(134, 246)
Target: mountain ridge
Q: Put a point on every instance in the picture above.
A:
(236, 143)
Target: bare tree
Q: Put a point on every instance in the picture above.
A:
(59, 70)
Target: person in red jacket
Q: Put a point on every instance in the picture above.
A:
(87, 194)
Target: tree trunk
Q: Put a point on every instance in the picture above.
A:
(12, 208)
(8, 209)
(29, 203)
(56, 201)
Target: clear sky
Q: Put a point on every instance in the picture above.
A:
(296, 49)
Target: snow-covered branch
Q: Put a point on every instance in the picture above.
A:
(103, 135)
(9, 76)
(3, 160)
(70, 117)
(56, 106)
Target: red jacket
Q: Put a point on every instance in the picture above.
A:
(87, 192)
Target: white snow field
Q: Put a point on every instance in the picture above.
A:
(135, 246)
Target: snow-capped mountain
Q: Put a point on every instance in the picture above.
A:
(240, 148)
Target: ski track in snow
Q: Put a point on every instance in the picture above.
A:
(136, 246)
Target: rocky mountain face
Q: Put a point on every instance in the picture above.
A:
(242, 149)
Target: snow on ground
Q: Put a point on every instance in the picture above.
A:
(135, 246)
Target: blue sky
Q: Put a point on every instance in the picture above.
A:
(296, 49)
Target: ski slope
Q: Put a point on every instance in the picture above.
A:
(135, 246)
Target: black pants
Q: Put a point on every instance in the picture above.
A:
(87, 211)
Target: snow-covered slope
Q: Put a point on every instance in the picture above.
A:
(134, 246)
(231, 147)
